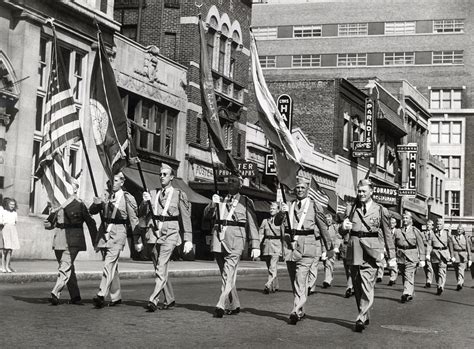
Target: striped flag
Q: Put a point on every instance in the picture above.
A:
(317, 194)
(286, 153)
(341, 205)
(61, 128)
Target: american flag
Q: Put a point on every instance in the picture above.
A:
(341, 205)
(317, 194)
(61, 128)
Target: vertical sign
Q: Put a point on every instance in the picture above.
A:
(412, 152)
(365, 148)
(412, 170)
(285, 107)
(270, 168)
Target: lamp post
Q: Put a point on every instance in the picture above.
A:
(429, 203)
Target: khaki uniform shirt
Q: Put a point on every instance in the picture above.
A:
(409, 245)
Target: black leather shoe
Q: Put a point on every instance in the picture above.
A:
(428, 285)
(367, 322)
(98, 301)
(266, 290)
(459, 288)
(359, 326)
(76, 301)
(54, 300)
(293, 319)
(310, 291)
(326, 284)
(409, 297)
(391, 283)
(379, 280)
(219, 313)
(168, 306)
(114, 303)
(232, 312)
(404, 297)
(348, 293)
(151, 307)
(439, 291)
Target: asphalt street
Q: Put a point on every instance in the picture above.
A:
(28, 320)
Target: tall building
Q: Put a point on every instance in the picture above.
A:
(427, 43)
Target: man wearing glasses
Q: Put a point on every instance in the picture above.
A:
(170, 209)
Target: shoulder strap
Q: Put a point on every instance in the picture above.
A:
(368, 227)
(405, 237)
(442, 243)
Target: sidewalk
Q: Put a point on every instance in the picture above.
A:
(46, 270)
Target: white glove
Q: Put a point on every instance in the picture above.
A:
(188, 246)
(392, 263)
(469, 263)
(382, 256)
(216, 199)
(335, 250)
(97, 200)
(255, 253)
(422, 264)
(139, 247)
(453, 259)
(347, 224)
(324, 256)
(146, 196)
(428, 257)
(284, 207)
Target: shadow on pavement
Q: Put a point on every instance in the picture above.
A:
(260, 290)
(464, 304)
(197, 307)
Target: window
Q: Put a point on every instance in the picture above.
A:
(446, 99)
(352, 130)
(78, 75)
(440, 190)
(130, 31)
(42, 63)
(448, 26)
(434, 132)
(446, 132)
(306, 61)
(448, 57)
(399, 58)
(169, 45)
(39, 113)
(198, 130)
(267, 61)
(306, 31)
(455, 132)
(453, 166)
(265, 33)
(353, 29)
(222, 44)
(399, 28)
(351, 59)
(210, 46)
(171, 3)
(452, 204)
(228, 135)
(432, 187)
(381, 153)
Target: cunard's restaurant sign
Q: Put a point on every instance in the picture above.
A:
(385, 195)
(365, 148)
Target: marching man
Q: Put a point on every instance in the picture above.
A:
(440, 254)
(460, 249)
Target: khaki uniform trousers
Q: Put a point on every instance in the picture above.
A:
(408, 271)
(393, 271)
(272, 266)
(228, 264)
(66, 273)
(428, 268)
(110, 282)
(363, 278)
(347, 270)
(299, 276)
(313, 275)
(439, 270)
(161, 254)
(329, 269)
(459, 269)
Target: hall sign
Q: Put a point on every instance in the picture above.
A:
(365, 148)
(246, 168)
(285, 107)
(385, 195)
(412, 152)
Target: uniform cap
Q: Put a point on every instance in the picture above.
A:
(364, 181)
(166, 167)
(302, 180)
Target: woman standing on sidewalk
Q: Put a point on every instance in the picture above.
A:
(9, 233)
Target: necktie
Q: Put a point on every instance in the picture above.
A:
(229, 202)
(163, 193)
(299, 205)
(364, 209)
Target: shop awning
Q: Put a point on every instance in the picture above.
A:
(393, 119)
(152, 181)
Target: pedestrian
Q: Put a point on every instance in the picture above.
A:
(119, 209)
(68, 241)
(410, 253)
(344, 236)
(330, 259)
(369, 233)
(10, 240)
(305, 226)
(440, 255)
(171, 210)
(271, 237)
(234, 218)
(394, 269)
(460, 250)
(427, 236)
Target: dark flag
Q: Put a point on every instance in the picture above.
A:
(209, 108)
(109, 122)
(61, 128)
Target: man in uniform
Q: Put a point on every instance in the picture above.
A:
(440, 254)
(344, 236)
(68, 241)
(368, 222)
(427, 236)
(393, 270)
(305, 227)
(271, 239)
(234, 218)
(170, 209)
(460, 249)
(119, 210)
(410, 252)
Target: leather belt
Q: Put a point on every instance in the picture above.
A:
(272, 237)
(228, 223)
(69, 226)
(302, 232)
(440, 248)
(461, 250)
(406, 248)
(165, 218)
(363, 234)
(116, 221)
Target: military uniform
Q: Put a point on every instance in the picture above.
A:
(460, 249)
(119, 210)
(344, 236)
(393, 270)
(368, 237)
(440, 256)
(410, 250)
(68, 241)
(237, 221)
(171, 209)
(427, 236)
(271, 236)
(307, 225)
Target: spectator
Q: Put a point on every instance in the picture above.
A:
(9, 233)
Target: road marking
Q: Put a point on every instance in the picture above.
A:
(413, 329)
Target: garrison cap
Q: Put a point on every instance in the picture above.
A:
(364, 181)
(166, 167)
(302, 180)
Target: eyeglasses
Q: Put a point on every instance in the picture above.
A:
(163, 174)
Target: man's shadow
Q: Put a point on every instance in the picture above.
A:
(459, 303)
(258, 290)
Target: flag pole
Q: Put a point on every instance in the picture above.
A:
(216, 189)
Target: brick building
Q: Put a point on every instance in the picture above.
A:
(428, 43)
